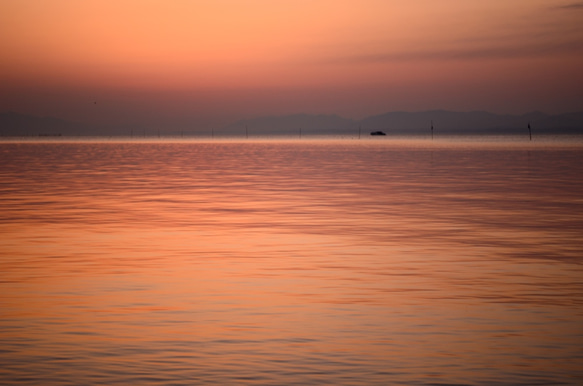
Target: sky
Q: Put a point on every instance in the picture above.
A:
(209, 63)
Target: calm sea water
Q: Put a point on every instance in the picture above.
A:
(291, 262)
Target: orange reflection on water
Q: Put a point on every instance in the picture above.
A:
(279, 262)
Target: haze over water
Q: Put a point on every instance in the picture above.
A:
(291, 262)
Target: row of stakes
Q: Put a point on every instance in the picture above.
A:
(300, 132)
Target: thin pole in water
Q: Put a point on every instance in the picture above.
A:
(432, 130)
(529, 132)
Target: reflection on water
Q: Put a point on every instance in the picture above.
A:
(290, 262)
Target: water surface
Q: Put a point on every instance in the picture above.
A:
(291, 262)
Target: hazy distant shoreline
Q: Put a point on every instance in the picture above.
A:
(304, 125)
(467, 142)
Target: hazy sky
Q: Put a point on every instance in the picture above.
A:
(211, 62)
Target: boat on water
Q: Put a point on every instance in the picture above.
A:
(377, 133)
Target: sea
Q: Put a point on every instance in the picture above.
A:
(281, 261)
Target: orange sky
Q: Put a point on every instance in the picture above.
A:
(215, 61)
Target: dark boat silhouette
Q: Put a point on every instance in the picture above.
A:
(377, 133)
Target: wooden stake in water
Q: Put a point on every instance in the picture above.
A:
(432, 130)
(529, 132)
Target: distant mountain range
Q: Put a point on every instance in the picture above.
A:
(400, 123)
(416, 123)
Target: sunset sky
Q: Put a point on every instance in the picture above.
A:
(213, 62)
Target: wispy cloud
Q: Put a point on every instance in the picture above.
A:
(571, 6)
(534, 36)
(469, 53)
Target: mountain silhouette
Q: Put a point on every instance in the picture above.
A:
(416, 123)
(392, 123)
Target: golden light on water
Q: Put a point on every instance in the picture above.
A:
(289, 261)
